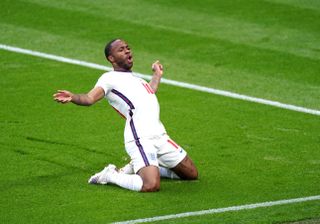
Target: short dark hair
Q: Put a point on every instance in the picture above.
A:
(107, 49)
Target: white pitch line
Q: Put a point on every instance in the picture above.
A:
(166, 81)
(221, 210)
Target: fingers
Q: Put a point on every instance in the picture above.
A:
(63, 92)
(157, 66)
(62, 100)
(154, 65)
(62, 96)
(60, 92)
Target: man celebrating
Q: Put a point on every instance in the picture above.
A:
(152, 152)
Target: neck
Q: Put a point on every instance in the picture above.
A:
(121, 70)
(117, 68)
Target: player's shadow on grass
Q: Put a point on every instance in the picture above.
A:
(65, 144)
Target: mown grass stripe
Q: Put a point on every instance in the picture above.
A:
(164, 80)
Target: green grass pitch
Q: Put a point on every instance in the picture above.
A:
(245, 152)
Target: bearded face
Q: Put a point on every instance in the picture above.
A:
(121, 56)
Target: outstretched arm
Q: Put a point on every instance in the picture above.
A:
(157, 74)
(64, 96)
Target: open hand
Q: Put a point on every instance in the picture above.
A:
(63, 96)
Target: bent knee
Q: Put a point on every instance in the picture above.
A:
(191, 175)
(151, 186)
(194, 174)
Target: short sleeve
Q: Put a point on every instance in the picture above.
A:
(104, 83)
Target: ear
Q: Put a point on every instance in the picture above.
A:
(110, 58)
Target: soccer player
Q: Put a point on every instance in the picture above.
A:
(153, 154)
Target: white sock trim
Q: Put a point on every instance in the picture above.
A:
(131, 182)
(165, 172)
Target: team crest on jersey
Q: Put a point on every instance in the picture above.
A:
(152, 156)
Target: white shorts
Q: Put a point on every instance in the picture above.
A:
(155, 150)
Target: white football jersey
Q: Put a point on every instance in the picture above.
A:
(134, 99)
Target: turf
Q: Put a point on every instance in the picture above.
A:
(245, 152)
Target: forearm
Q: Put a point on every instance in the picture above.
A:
(157, 69)
(81, 99)
(65, 96)
(155, 81)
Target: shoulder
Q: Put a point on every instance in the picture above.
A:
(106, 76)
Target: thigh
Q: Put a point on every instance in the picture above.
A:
(142, 153)
(170, 154)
